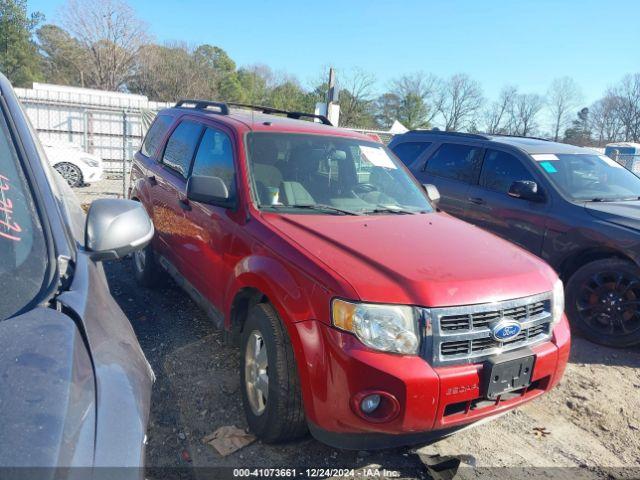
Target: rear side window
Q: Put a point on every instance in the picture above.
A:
(500, 170)
(458, 162)
(409, 151)
(181, 147)
(155, 134)
(215, 159)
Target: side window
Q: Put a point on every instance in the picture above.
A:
(407, 152)
(181, 146)
(458, 162)
(500, 170)
(215, 159)
(154, 136)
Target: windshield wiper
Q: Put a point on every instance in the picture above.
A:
(320, 207)
(387, 209)
(625, 199)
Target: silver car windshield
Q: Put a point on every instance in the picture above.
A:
(303, 173)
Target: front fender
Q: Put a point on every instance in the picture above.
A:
(286, 289)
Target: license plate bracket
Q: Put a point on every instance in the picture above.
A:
(507, 373)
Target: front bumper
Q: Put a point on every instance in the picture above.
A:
(91, 174)
(432, 402)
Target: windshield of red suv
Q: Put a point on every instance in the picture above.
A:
(331, 175)
(589, 177)
(23, 255)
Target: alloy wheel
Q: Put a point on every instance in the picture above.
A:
(70, 173)
(609, 303)
(256, 375)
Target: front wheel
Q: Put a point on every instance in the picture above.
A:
(269, 378)
(603, 302)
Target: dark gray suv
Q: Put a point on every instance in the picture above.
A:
(75, 386)
(575, 208)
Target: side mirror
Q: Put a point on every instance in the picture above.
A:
(210, 190)
(525, 190)
(433, 193)
(116, 228)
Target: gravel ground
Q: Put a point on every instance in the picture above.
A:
(591, 420)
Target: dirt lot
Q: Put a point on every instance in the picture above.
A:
(590, 424)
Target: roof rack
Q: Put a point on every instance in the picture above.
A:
(479, 136)
(277, 111)
(222, 107)
(453, 134)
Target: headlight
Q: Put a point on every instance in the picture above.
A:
(389, 328)
(557, 301)
(92, 162)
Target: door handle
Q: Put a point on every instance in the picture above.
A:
(152, 180)
(184, 204)
(477, 200)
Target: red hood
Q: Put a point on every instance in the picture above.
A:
(431, 260)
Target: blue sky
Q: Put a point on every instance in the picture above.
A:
(525, 43)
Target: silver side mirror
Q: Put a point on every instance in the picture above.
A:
(433, 193)
(116, 228)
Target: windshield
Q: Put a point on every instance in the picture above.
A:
(330, 175)
(23, 255)
(589, 177)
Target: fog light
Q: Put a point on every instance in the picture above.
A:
(370, 403)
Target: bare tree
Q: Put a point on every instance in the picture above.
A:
(460, 100)
(627, 93)
(356, 98)
(563, 98)
(416, 96)
(525, 112)
(112, 36)
(605, 123)
(498, 117)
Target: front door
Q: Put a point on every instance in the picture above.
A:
(490, 207)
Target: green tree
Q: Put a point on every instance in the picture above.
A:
(63, 58)
(19, 59)
(580, 131)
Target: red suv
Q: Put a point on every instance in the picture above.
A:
(363, 313)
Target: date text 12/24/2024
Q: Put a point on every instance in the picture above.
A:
(367, 472)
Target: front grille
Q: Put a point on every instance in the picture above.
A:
(463, 334)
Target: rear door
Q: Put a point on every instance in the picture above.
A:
(452, 167)
(490, 207)
(169, 198)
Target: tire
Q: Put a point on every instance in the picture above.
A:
(71, 173)
(603, 302)
(282, 415)
(145, 267)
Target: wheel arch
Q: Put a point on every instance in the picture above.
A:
(578, 259)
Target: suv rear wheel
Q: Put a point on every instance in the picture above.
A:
(603, 302)
(269, 378)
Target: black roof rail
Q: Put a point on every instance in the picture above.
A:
(196, 104)
(278, 111)
(452, 134)
(479, 135)
(517, 136)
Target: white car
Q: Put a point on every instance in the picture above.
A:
(76, 166)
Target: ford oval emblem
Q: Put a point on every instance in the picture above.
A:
(505, 330)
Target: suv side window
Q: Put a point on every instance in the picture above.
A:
(500, 170)
(407, 152)
(181, 147)
(154, 136)
(215, 159)
(457, 162)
